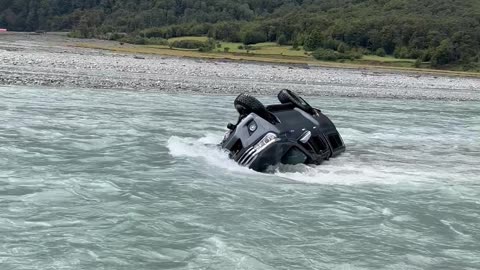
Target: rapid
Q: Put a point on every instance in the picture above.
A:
(111, 179)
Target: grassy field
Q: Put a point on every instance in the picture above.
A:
(272, 53)
(266, 48)
(188, 38)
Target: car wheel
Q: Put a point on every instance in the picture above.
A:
(246, 104)
(287, 96)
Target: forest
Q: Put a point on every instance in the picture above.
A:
(444, 33)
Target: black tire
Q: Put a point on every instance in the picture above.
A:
(246, 104)
(287, 96)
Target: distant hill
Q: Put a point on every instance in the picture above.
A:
(444, 32)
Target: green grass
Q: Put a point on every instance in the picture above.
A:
(386, 59)
(188, 38)
(265, 48)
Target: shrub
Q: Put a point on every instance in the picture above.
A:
(380, 52)
(330, 44)
(418, 63)
(331, 55)
(74, 34)
(352, 55)
(342, 47)
(205, 49)
(282, 40)
(296, 44)
(228, 31)
(115, 36)
(443, 54)
(401, 52)
(133, 40)
(154, 32)
(249, 48)
(240, 47)
(156, 41)
(254, 37)
(226, 49)
(208, 45)
(187, 44)
(325, 54)
(427, 55)
(415, 53)
(362, 51)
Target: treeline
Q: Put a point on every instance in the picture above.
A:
(441, 32)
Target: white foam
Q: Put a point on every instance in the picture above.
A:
(204, 148)
(347, 169)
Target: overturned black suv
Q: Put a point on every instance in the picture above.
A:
(292, 132)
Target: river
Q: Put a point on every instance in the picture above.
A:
(109, 179)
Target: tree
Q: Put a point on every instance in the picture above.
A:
(313, 41)
(342, 48)
(295, 44)
(282, 40)
(443, 54)
(227, 31)
(380, 52)
(32, 17)
(254, 37)
(401, 52)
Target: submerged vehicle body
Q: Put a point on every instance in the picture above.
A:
(291, 132)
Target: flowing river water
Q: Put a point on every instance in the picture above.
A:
(106, 179)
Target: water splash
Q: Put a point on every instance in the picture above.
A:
(204, 148)
(344, 170)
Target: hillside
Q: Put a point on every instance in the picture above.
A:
(445, 33)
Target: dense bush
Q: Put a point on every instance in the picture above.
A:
(342, 48)
(331, 55)
(226, 31)
(208, 45)
(153, 33)
(187, 44)
(156, 41)
(253, 37)
(282, 40)
(401, 52)
(114, 36)
(133, 40)
(380, 52)
(443, 54)
(325, 54)
(203, 46)
(313, 41)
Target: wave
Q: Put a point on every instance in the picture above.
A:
(344, 170)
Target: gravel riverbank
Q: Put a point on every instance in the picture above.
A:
(53, 61)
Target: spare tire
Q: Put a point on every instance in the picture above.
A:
(287, 96)
(246, 104)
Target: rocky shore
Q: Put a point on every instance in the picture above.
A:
(53, 60)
